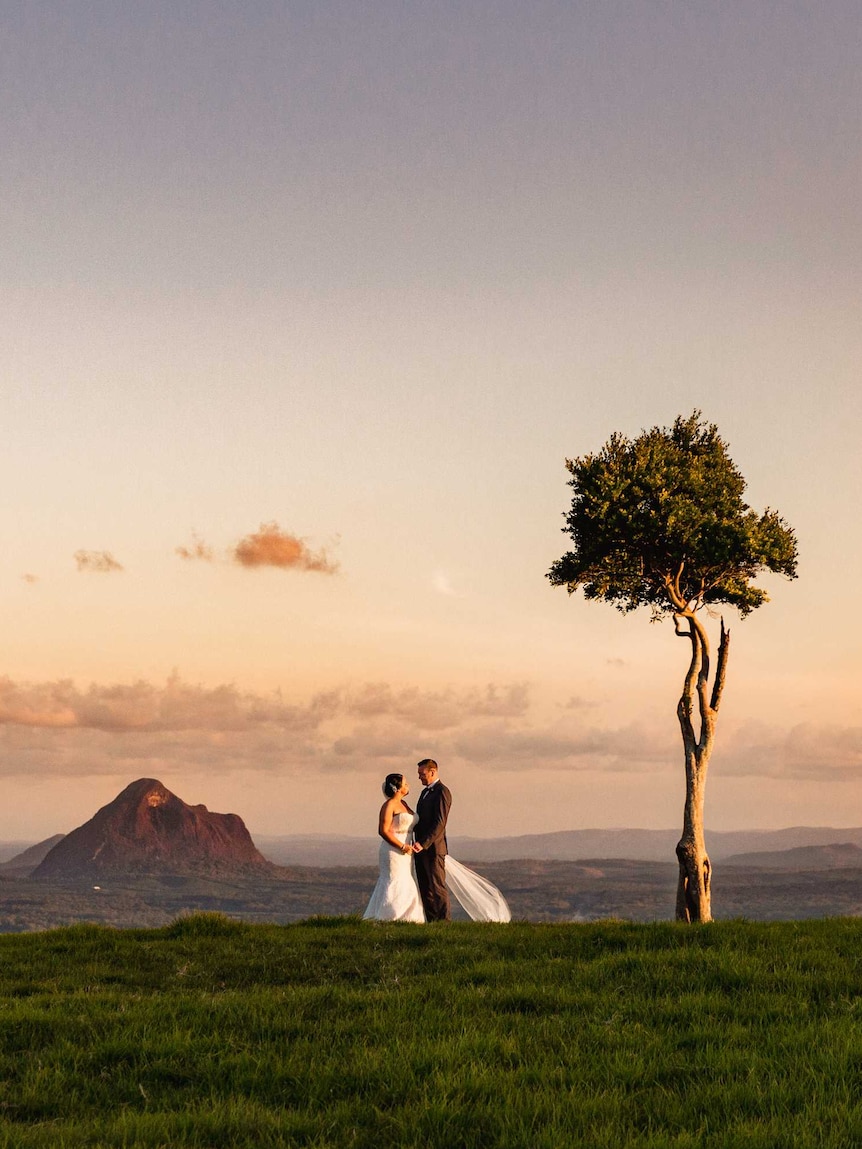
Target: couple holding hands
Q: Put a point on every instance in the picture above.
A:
(416, 871)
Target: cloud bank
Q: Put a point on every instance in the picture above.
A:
(438, 710)
(58, 728)
(805, 751)
(143, 707)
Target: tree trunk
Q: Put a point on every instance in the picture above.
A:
(694, 887)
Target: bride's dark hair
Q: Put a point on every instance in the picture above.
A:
(393, 784)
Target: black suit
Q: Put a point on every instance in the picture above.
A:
(433, 810)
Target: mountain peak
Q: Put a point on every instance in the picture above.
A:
(147, 829)
(145, 789)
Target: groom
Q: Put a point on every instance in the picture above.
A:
(429, 842)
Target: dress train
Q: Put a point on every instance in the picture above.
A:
(479, 897)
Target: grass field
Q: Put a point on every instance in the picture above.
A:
(334, 1032)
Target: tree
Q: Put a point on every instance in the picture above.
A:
(659, 521)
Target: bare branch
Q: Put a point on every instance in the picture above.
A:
(680, 633)
(677, 582)
(706, 715)
(684, 708)
(721, 668)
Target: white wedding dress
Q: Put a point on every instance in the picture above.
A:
(396, 896)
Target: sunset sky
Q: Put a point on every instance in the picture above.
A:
(304, 305)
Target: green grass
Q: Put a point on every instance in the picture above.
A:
(340, 1033)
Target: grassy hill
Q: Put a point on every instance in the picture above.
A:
(334, 1032)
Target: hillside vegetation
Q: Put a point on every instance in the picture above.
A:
(334, 1032)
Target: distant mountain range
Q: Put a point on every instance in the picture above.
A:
(27, 860)
(564, 845)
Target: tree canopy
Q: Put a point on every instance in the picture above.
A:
(659, 520)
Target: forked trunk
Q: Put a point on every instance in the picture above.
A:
(694, 887)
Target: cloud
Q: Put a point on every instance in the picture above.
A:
(626, 748)
(392, 743)
(197, 550)
(505, 745)
(177, 705)
(58, 728)
(805, 751)
(141, 728)
(438, 710)
(141, 706)
(80, 753)
(577, 702)
(272, 547)
(101, 562)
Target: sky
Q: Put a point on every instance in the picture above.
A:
(305, 305)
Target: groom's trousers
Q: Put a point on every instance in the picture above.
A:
(431, 877)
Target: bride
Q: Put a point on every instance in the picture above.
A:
(396, 896)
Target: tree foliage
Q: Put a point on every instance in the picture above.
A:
(660, 520)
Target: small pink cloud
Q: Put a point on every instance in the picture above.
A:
(101, 562)
(272, 547)
(197, 550)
